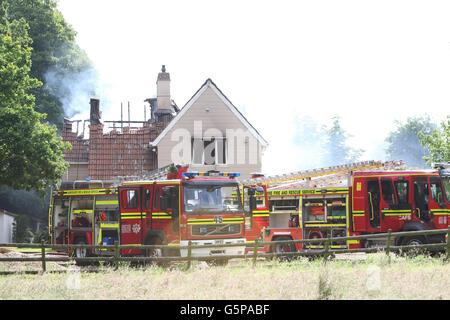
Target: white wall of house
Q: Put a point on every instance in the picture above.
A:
(6, 227)
(209, 116)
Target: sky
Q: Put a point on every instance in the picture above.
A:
(279, 62)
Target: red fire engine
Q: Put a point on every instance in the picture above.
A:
(199, 207)
(373, 203)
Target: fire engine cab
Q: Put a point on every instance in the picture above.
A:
(201, 207)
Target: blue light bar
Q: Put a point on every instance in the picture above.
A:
(211, 174)
(189, 174)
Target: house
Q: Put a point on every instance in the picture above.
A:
(207, 133)
(210, 133)
(6, 226)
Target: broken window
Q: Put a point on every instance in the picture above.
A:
(208, 151)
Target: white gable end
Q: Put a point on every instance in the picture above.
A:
(210, 85)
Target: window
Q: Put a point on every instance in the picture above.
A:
(147, 197)
(156, 199)
(130, 199)
(387, 190)
(401, 188)
(211, 199)
(208, 151)
(436, 191)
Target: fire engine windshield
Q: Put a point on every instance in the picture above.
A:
(211, 198)
(446, 183)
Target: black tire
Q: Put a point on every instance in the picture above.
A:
(414, 241)
(283, 248)
(81, 252)
(154, 252)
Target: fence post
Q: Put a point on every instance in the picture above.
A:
(327, 246)
(255, 252)
(388, 245)
(189, 254)
(44, 267)
(116, 254)
(448, 243)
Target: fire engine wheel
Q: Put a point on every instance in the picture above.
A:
(217, 262)
(154, 253)
(414, 241)
(283, 248)
(81, 252)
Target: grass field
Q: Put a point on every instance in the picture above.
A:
(374, 277)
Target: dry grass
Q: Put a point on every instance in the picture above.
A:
(373, 278)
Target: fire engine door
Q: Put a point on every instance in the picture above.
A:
(438, 204)
(395, 207)
(373, 203)
(130, 218)
(166, 210)
(421, 193)
(147, 191)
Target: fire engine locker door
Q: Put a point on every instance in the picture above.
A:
(130, 218)
(373, 203)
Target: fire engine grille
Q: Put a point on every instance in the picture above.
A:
(215, 229)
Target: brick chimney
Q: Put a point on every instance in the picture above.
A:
(163, 91)
(95, 112)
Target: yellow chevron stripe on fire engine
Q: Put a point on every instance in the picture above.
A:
(325, 225)
(212, 222)
(109, 225)
(261, 215)
(440, 212)
(161, 215)
(133, 213)
(396, 212)
(106, 202)
(83, 211)
(80, 192)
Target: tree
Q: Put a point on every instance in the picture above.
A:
(31, 153)
(336, 149)
(404, 143)
(438, 143)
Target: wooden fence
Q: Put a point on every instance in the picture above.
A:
(324, 253)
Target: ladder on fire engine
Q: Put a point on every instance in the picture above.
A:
(306, 174)
(157, 174)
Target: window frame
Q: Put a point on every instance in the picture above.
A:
(204, 144)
